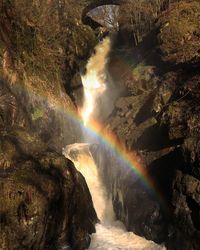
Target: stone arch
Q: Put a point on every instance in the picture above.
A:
(97, 3)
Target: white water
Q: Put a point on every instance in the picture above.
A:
(80, 155)
(110, 234)
(94, 81)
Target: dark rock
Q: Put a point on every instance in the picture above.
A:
(45, 203)
(151, 156)
(165, 91)
(191, 149)
(142, 127)
(134, 204)
(158, 119)
(132, 103)
(187, 206)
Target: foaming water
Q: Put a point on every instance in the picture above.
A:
(115, 237)
(110, 234)
(80, 155)
(94, 81)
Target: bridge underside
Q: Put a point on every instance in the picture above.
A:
(94, 4)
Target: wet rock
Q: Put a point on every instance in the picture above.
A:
(187, 206)
(151, 156)
(165, 91)
(128, 111)
(157, 117)
(133, 203)
(142, 127)
(191, 149)
(167, 143)
(45, 203)
(132, 104)
(77, 90)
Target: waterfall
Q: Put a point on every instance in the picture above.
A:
(110, 234)
(80, 154)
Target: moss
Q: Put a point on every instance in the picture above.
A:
(179, 33)
(37, 113)
(8, 154)
(29, 142)
(50, 160)
(142, 72)
(143, 79)
(81, 40)
(25, 136)
(1, 58)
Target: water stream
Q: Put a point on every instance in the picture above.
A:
(110, 234)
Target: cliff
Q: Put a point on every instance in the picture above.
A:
(45, 202)
(157, 116)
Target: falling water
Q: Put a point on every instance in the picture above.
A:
(110, 234)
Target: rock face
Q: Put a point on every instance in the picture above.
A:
(45, 202)
(43, 46)
(158, 117)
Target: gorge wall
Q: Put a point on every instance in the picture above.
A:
(45, 202)
(158, 117)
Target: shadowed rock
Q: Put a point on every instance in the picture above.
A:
(45, 204)
(158, 117)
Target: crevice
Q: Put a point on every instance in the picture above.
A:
(145, 111)
(195, 212)
(155, 138)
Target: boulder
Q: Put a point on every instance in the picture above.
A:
(45, 202)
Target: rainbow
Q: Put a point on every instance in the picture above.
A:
(130, 159)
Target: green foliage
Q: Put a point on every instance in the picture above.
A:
(37, 113)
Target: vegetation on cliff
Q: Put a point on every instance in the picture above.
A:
(180, 33)
(43, 38)
(42, 46)
(44, 200)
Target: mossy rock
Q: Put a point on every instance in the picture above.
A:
(29, 142)
(180, 32)
(44, 204)
(37, 113)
